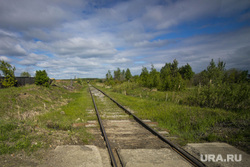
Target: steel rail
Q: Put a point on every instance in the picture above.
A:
(112, 158)
(190, 158)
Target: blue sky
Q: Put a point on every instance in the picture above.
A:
(86, 38)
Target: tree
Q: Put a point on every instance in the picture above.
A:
(128, 74)
(222, 89)
(109, 75)
(165, 71)
(235, 76)
(154, 78)
(144, 76)
(170, 77)
(122, 77)
(9, 74)
(25, 74)
(186, 72)
(200, 78)
(6, 68)
(165, 75)
(117, 74)
(174, 68)
(215, 73)
(42, 78)
(109, 78)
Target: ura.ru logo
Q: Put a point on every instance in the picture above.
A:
(220, 158)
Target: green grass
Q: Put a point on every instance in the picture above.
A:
(133, 89)
(180, 120)
(73, 112)
(25, 113)
(16, 101)
(16, 136)
(18, 110)
(189, 123)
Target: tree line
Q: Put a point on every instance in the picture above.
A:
(170, 77)
(214, 87)
(41, 76)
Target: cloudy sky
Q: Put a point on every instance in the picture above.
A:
(86, 38)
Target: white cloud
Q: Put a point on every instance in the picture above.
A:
(11, 47)
(33, 59)
(28, 14)
(87, 38)
(198, 51)
(4, 33)
(162, 17)
(4, 58)
(79, 47)
(156, 43)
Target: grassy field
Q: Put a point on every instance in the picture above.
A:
(189, 123)
(34, 118)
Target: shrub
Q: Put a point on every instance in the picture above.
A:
(9, 81)
(8, 71)
(42, 78)
(226, 96)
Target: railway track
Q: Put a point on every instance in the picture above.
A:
(124, 133)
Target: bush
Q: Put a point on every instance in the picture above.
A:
(226, 96)
(9, 81)
(42, 78)
(8, 71)
(80, 81)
